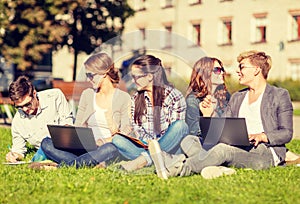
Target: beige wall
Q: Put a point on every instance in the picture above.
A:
(182, 56)
(209, 14)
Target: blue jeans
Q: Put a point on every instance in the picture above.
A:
(222, 154)
(169, 142)
(39, 156)
(106, 152)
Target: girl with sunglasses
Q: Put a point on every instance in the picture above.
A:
(104, 108)
(206, 82)
(206, 86)
(158, 112)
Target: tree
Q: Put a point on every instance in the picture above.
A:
(31, 28)
(94, 22)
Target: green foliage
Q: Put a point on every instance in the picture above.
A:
(179, 83)
(297, 112)
(20, 184)
(11, 108)
(35, 27)
(233, 85)
(30, 31)
(292, 86)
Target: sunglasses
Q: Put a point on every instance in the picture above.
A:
(241, 67)
(27, 105)
(136, 77)
(218, 70)
(91, 75)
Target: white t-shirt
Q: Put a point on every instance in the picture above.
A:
(97, 121)
(251, 113)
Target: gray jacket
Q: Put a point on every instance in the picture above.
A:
(276, 114)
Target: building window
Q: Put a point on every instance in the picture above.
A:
(140, 5)
(194, 2)
(140, 39)
(294, 69)
(166, 40)
(143, 33)
(166, 3)
(225, 32)
(259, 28)
(195, 34)
(294, 26)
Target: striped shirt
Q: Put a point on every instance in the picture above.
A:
(173, 109)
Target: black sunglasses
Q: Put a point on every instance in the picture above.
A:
(90, 75)
(136, 77)
(241, 66)
(27, 105)
(218, 70)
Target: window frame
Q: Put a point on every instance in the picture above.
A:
(225, 31)
(294, 25)
(259, 28)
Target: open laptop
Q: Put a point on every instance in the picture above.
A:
(77, 140)
(232, 131)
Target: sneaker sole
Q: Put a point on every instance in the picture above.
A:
(157, 158)
(212, 172)
(293, 162)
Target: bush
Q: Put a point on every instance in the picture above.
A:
(233, 85)
(12, 109)
(292, 86)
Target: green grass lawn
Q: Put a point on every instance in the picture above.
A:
(19, 184)
(297, 112)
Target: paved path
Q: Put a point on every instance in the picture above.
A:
(296, 124)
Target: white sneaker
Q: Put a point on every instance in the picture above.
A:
(157, 158)
(135, 164)
(166, 165)
(211, 172)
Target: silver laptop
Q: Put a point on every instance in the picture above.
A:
(77, 140)
(232, 131)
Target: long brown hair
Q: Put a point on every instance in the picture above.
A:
(200, 81)
(150, 64)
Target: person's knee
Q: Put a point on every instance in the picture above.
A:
(109, 147)
(189, 140)
(181, 125)
(191, 145)
(119, 141)
(46, 144)
(222, 150)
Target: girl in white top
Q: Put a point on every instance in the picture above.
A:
(104, 108)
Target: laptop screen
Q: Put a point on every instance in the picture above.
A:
(232, 131)
(72, 139)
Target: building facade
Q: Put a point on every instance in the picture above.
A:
(182, 31)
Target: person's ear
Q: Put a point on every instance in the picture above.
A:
(257, 71)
